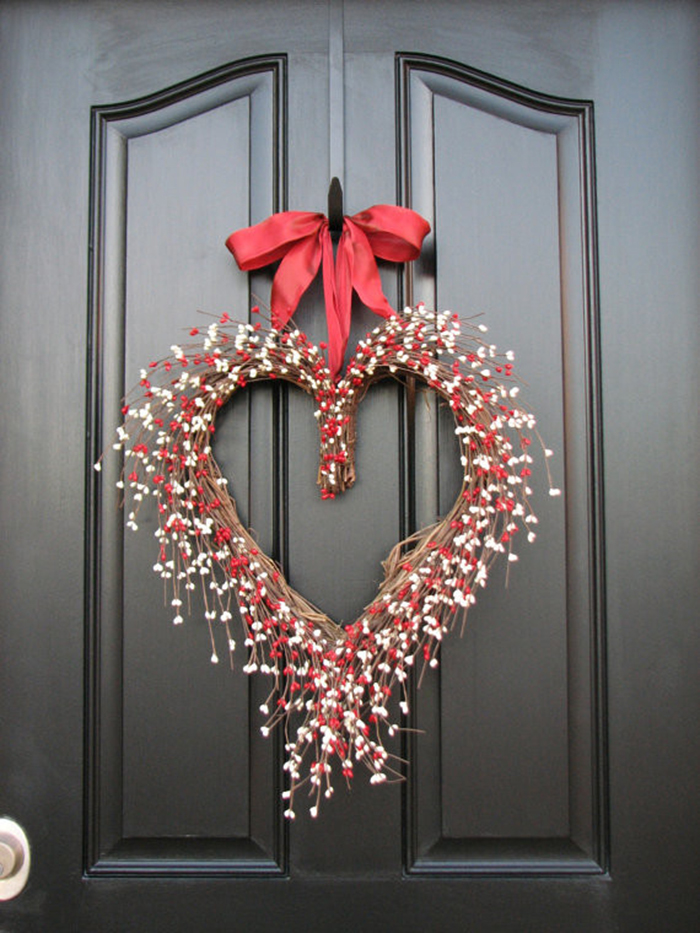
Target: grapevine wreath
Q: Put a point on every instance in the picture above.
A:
(330, 685)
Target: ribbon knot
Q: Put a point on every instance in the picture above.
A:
(302, 240)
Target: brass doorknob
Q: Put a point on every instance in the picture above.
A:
(14, 859)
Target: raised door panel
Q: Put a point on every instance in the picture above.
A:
(180, 779)
(510, 773)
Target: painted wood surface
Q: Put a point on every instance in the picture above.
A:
(554, 149)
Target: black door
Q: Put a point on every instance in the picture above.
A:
(551, 761)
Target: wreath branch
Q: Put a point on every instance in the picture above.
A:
(334, 683)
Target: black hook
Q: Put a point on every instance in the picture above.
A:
(335, 207)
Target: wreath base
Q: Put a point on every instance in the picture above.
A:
(335, 681)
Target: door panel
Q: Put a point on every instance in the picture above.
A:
(165, 791)
(511, 172)
(552, 788)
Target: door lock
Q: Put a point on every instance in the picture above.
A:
(14, 859)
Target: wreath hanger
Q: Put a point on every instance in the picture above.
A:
(335, 208)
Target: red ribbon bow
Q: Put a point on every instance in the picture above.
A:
(302, 241)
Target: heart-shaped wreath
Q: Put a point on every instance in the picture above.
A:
(335, 681)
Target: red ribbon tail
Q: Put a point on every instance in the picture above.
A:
(344, 275)
(338, 329)
(295, 273)
(365, 274)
